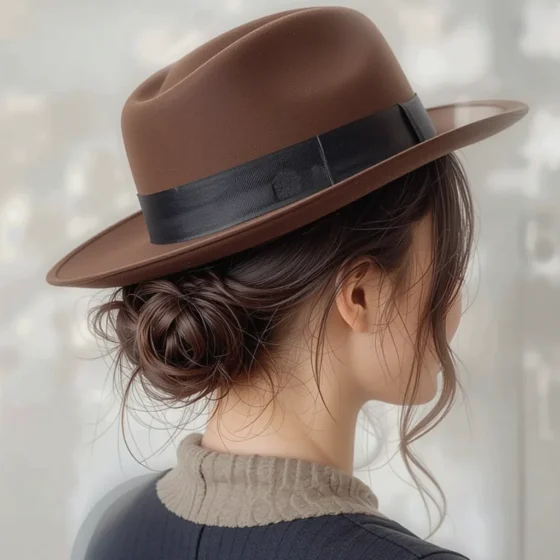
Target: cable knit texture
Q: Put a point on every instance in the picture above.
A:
(231, 490)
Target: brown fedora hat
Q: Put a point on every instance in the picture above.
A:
(262, 130)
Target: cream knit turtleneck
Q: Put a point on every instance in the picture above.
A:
(230, 490)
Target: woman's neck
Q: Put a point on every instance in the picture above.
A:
(295, 422)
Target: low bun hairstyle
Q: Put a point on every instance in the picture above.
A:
(187, 337)
(195, 334)
(186, 334)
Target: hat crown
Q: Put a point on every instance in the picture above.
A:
(256, 89)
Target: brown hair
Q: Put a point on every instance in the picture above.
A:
(193, 335)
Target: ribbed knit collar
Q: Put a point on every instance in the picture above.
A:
(231, 490)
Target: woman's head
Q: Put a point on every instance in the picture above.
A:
(369, 295)
(379, 281)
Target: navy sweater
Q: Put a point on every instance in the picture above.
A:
(139, 527)
(220, 506)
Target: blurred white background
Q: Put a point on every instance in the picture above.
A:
(66, 68)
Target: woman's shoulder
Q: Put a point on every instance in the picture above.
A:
(384, 538)
(130, 504)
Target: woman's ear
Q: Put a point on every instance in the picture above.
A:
(360, 296)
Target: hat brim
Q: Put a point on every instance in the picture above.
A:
(122, 254)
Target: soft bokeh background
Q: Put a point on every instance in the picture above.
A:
(66, 68)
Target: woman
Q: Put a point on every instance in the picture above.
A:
(300, 250)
